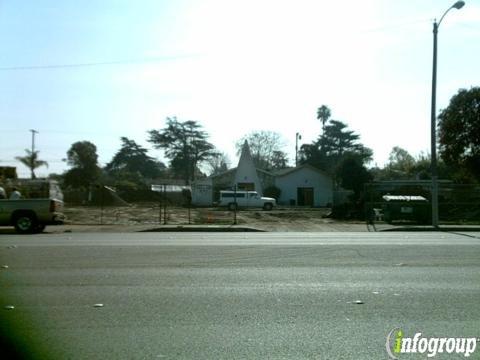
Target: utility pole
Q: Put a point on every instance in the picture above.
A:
(297, 137)
(33, 139)
(32, 155)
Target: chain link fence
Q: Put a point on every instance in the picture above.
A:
(147, 214)
(394, 203)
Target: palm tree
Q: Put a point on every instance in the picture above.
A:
(31, 161)
(323, 114)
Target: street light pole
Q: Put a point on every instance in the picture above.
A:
(434, 131)
(434, 169)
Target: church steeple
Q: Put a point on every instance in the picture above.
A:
(246, 176)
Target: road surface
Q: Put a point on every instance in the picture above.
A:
(235, 295)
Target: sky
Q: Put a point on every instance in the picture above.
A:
(98, 70)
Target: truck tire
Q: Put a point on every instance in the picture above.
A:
(25, 223)
(267, 207)
(232, 206)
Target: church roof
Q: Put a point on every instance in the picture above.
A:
(287, 171)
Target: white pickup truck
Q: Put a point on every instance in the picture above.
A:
(236, 199)
(31, 215)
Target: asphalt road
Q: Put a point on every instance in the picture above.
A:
(236, 295)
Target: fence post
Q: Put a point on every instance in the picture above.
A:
(164, 204)
(160, 210)
(235, 205)
(101, 205)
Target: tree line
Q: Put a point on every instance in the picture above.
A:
(337, 150)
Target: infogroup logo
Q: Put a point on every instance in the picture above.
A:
(397, 343)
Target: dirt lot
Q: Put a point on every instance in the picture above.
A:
(137, 217)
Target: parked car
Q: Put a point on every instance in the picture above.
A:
(31, 215)
(236, 199)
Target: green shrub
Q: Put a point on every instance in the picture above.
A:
(273, 192)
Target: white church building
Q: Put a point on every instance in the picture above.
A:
(303, 185)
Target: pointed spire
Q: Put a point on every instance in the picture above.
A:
(246, 151)
(246, 171)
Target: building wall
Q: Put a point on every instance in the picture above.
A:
(266, 180)
(247, 173)
(224, 181)
(305, 177)
(202, 192)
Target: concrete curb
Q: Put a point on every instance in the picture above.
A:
(196, 228)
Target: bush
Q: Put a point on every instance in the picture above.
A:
(131, 192)
(273, 192)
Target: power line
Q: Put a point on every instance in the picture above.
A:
(47, 160)
(55, 161)
(170, 58)
(98, 63)
(393, 26)
(102, 133)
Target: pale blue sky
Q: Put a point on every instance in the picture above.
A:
(234, 66)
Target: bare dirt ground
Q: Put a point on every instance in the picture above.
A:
(144, 216)
(150, 217)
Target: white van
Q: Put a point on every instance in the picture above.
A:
(233, 200)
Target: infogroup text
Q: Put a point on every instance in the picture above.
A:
(398, 344)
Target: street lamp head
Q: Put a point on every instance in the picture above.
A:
(458, 5)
